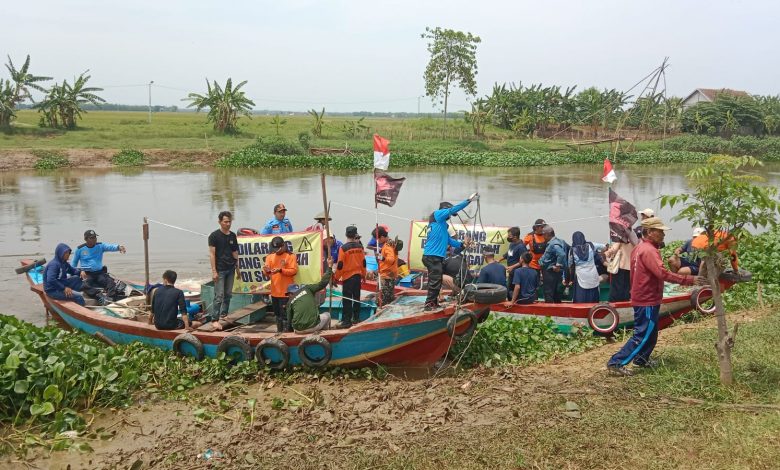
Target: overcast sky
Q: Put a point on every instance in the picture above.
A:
(362, 55)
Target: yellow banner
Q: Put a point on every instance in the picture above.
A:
(494, 237)
(253, 249)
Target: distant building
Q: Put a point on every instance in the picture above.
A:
(708, 95)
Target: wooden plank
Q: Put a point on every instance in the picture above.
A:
(232, 318)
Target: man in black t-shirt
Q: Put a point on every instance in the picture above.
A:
(512, 256)
(167, 302)
(223, 252)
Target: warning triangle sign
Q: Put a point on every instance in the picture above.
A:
(304, 246)
(497, 238)
(424, 232)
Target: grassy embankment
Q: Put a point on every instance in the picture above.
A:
(190, 131)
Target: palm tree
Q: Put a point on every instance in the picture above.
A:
(17, 89)
(224, 104)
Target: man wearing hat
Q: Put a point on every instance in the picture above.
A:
(351, 270)
(319, 225)
(329, 242)
(88, 258)
(647, 289)
(303, 315)
(436, 244)
(492, 272)
(281, 266)
(644, 214)
(279, 223)
(536, 243)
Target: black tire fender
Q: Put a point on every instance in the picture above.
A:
(186, 344)
(236, 349)
(271, 344)
(312, 340)
(600, 329)
(701, 293)
(456, 318)
(485, 293)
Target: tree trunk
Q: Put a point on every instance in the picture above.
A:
(725, 343)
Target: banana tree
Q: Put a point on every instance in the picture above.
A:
(224, 104)
(316, 129)
(16, 89)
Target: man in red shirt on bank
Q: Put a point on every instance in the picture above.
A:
(647, 289)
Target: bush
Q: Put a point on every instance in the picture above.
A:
(304, 138)
(129, 157)
(278, 145)
(253, 156)
(50, 160)
(767, 148)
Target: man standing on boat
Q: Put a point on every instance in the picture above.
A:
(223, 254)
(647, 290)
(281, 266)
(554, 262)
(536, 244)
(436, 244)
(279, 223)
(88, 257)
(351, 270)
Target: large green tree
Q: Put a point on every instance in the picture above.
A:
(16, 89)
(725, 199)
(453, 62)
(224, 104)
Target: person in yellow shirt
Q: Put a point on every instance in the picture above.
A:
(282, 266)
(388, 266)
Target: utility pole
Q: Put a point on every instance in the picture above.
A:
(150, 101)
(418, 105)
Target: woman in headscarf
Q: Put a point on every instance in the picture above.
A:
(619, 267)
(583, 259)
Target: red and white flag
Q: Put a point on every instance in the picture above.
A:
(609, 173)
(381, 152)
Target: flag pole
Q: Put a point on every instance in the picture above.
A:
(328, 233)
(376, 246)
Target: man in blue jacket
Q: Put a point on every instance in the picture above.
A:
(279, 223)
(554, 263)
(60, 279)
(436, 247)
(88, 257)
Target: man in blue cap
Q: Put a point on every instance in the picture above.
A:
(88, 257)
(436, 245)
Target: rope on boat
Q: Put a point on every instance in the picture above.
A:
(177, 228)
(369, 210)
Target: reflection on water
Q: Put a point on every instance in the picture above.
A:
(39, 210)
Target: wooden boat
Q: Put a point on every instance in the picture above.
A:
(399, 334)
(606, 317)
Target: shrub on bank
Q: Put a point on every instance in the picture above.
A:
(129, 157)
(766, 148)
(254, 157)
(278, 145)
(50, 160)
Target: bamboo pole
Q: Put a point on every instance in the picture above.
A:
(146, 251)
(328, 234)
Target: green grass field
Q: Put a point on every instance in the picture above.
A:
(190, 131)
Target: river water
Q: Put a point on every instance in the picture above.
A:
(39, 210)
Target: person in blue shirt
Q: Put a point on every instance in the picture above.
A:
(525, 281)
(61, 280)
(492, 272)
(553, 263)
(279, 223)
(88, 258)
(436, 244)
(512, 256)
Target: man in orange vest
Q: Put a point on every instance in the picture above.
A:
(351, 270)
(536, 244)
(281, 266)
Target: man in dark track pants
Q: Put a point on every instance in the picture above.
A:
(436, 247)
(351, 270)
(647, 287)
(554, 263)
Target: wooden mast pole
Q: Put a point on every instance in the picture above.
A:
(326, 208)
(146, 251)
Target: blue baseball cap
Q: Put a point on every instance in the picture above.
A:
(293, 288)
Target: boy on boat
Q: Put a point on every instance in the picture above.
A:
(351, 270)
(525, 281)
(279, 223)
(492, 272)
(512, 256)
(61, 281)
(647, 289)
(281, 266)
(89, 256)
(303, 313)
(167, 301)
(436, 244)
(223, 255)
(388, 266)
